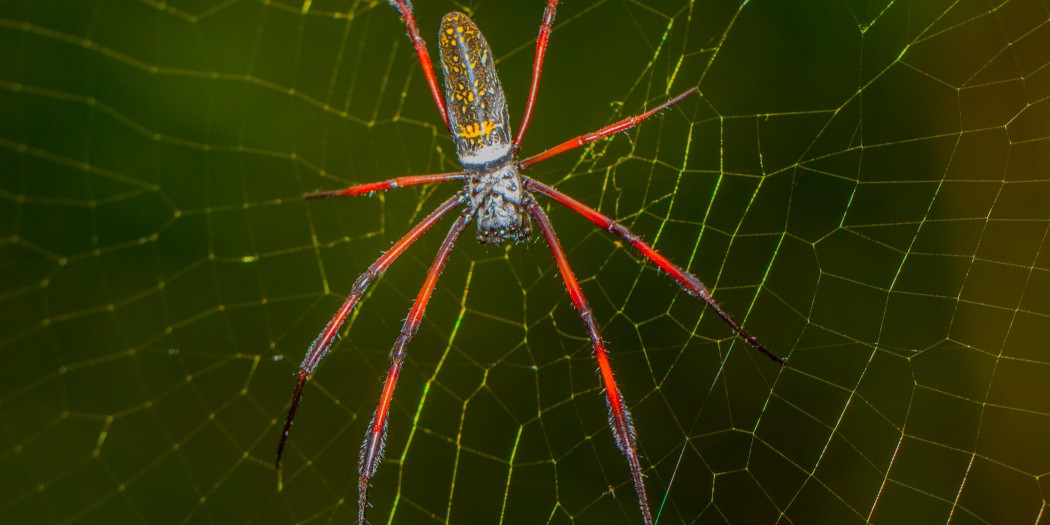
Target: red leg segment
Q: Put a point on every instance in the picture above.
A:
(619, 416)
(399, 182)
(375, 436)
(616, 127)
(686, 280)
(320, 346)
(405, 8)
(537, 69)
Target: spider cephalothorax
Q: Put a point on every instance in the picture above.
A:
(499, 203)
(499, 197)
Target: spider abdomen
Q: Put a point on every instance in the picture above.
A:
(477, 108)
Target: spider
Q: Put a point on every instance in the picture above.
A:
(501, 199)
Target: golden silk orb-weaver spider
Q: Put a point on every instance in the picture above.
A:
(500, 198)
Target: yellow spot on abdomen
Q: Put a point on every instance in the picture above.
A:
(475, 130)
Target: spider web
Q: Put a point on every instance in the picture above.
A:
(865, 185)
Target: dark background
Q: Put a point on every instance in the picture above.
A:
(863, 184)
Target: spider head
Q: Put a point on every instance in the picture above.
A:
(500, 221)
(498, 201)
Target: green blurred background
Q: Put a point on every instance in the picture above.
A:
(866, 185)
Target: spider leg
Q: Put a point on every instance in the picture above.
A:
(619, 416)
(375, 436)
(689, 282)
(615, 127)
(405, 8)
(537, 69)
(320, 346)
(390, 184)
